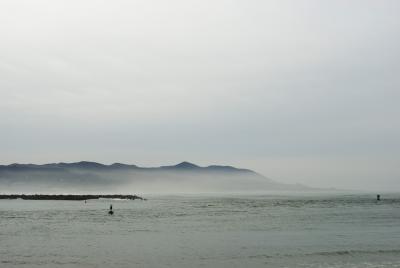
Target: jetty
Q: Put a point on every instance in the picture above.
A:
(72, 197)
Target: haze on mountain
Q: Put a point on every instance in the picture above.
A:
(302, 91)
(92, 177)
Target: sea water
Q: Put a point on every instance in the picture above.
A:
(203, 231)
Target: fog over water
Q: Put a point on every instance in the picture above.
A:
(299, 91)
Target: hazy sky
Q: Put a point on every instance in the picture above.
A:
(300, 91)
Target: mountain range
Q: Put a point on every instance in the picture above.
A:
(92, 177)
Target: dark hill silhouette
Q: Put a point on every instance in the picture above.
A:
(91, 176)
(183, 165)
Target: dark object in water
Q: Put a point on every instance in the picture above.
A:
(67, 197)
(378, 197)
(111, 212)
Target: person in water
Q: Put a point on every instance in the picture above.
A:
(111, 211)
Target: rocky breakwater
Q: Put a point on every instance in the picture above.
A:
(72, 197)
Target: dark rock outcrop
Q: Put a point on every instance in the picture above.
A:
(68, 197)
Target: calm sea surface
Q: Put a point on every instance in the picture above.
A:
(203, 231)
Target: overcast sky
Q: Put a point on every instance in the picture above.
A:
(300, 91)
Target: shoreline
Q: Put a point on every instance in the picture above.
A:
(72, 197)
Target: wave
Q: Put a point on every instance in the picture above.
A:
(395, 252)
(355, 252)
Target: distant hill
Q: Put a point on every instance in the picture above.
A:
(94, 177)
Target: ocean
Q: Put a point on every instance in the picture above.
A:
(318, 230)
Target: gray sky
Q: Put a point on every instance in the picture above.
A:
(300, 91)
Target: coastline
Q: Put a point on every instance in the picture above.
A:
(72, 197)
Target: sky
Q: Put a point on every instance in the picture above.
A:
(299, 91)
